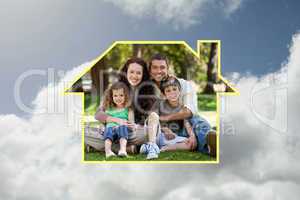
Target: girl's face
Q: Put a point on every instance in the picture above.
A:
(172, 93)
(134, 74)
(118, 96)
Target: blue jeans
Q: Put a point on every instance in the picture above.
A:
(116, 132)
(201, 128)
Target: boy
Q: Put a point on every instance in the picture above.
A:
(177, 134)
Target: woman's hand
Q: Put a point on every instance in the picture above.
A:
(121, 121)
(132, 126)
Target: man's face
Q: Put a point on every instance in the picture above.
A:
(159, 70)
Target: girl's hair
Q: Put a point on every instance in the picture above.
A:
(108, 95)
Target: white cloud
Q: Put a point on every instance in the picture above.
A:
(41, 155)
(179, 13)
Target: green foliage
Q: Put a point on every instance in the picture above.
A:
(207, 102)
(91, 105)
(182, 62)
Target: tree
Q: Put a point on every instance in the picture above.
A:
(211, 69)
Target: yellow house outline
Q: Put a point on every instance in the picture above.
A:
(197, 54)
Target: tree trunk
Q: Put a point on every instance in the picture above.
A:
(211, 69)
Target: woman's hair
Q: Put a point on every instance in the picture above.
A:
(145, 87)
(123, 71)
(108, 95)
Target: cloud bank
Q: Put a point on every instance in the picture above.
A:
(179, 13)
(41, 155)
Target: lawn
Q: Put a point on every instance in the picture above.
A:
(163, 156)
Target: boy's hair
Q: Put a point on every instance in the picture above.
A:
(108, 95)
(158, 56)
(170, 81)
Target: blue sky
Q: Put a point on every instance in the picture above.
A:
(64, 34)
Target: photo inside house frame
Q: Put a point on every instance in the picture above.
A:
(152, 102)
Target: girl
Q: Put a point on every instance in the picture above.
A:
(117, 106)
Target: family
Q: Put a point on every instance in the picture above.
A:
(153, 111)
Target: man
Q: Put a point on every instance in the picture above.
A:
(205, 140)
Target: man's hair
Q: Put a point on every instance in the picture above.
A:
(158, 56)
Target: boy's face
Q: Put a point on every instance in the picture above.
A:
(172, 93)
(118, 97)
(158, 70)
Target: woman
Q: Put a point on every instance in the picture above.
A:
(136, 76)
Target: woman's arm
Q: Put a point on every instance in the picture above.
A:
(104, 118)
(100, 115)
(130, 115)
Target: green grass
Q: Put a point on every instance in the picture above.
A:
(163, 156)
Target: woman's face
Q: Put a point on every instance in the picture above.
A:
(134, 74)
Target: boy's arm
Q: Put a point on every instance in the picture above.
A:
(182, 114)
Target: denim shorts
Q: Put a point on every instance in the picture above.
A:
(116, 133)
